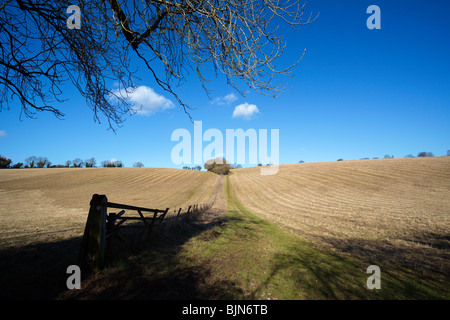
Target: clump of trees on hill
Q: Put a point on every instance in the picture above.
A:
(218, 166)
(425, 154)
(37, 162)
(112, 164)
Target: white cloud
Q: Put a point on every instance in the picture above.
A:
(145, 100)
(245, 111)
(228, 99)
(3, 134)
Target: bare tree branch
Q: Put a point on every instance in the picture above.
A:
(39, 53)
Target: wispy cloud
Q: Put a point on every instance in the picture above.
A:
(245, 111)
(3, 134)
(145, 100)
(228, 99)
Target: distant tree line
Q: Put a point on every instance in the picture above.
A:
(220, 166)
(112, 164)
(419, 155)
(198, 168)
(43, 162)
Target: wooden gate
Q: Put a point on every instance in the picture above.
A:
(101, 226)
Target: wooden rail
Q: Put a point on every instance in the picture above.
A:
(127, 207)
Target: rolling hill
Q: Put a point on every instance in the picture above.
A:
(40, 205)
(395, 209)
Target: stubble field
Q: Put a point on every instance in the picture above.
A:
(42, 205)
(384, 209)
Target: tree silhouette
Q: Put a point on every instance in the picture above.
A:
(425, 154)
(30, 162)
(5, 162)
(138, 164)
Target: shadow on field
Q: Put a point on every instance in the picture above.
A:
(425, 253)
(151, 270)
(37, 271)
(159, 269)
(321, 276)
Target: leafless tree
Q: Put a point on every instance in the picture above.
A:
(39, 52)
(31, 161)
(77, 163)
(89, 163)
(138, 164)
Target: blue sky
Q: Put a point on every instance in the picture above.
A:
(356, 93)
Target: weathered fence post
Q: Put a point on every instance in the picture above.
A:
(92, 252)
(163, 215)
